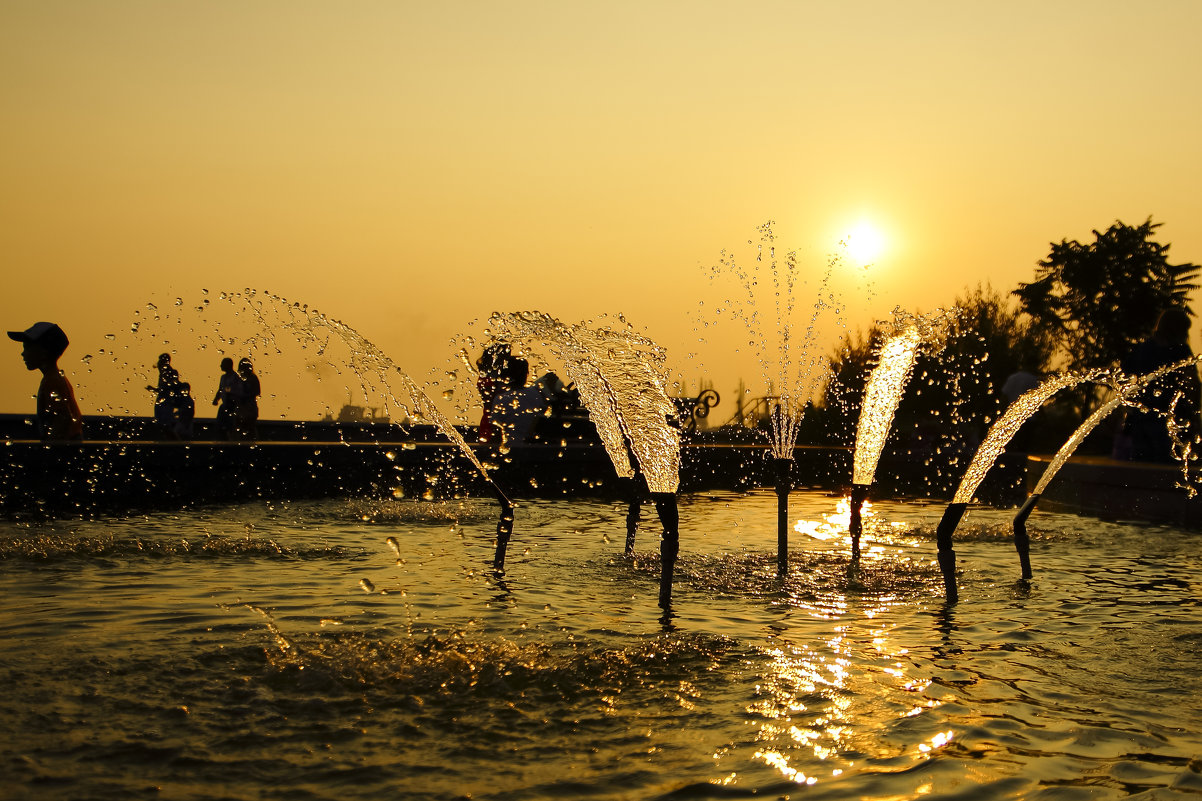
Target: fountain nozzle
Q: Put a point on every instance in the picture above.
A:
(669, 546)
(947, 556)
(859, 494)
(1021, 542)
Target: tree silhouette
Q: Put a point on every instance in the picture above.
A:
(1096, 300)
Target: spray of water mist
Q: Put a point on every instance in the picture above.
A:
(783, 327)
(905, 337)
(883, 392)
(1006, 426)
(284, 339)
(622, 382)
(1125, 389)
(785, 342)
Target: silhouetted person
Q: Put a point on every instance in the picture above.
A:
(492, 381)
(58, 415)
(166, 396)
(248, 408)
(227, 400)
(1177, 395)
(516, 411)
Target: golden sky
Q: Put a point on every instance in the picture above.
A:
(410, 167)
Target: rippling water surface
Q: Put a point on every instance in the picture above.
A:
(355, 649)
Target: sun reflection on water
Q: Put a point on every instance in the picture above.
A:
(834, 525)
(820, 705)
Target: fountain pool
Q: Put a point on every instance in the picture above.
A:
(362, 649)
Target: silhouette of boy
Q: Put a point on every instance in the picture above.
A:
(58, 413)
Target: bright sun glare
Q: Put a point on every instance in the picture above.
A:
(865, 243)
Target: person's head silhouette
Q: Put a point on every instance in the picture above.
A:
(44, 344)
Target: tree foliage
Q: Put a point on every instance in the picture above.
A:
(1096, 300)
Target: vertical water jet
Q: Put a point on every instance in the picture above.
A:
(791, 360)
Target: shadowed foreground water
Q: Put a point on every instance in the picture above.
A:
(294, 651)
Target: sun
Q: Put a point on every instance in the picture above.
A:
(865, 243)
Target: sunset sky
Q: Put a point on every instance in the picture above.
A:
(409, 168)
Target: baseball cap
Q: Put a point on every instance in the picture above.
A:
(45, 335)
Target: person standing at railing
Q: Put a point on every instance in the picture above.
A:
(166, 396)
(248, 408)
(227, 400)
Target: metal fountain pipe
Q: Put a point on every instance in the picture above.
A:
(504, 530)
(1021, 542)
(669, 544)
(947, 557)
(781, 471)
(633, 512)
(859, 494)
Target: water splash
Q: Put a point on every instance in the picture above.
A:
(1071, 444)
(51, 546)
(1125, 390)
(1006, 426)
(883, 392)
(621, 379)
(284, 339)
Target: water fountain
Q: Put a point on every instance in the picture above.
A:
(1000, 434)
(125, 462)
(1125, 390)
(792, 360)
(882, 394)
(621, 382)
(273, 637)
(621, 379)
